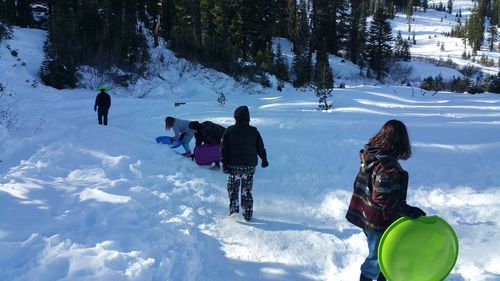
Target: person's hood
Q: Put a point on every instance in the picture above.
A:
(242, 114)
(370, 154)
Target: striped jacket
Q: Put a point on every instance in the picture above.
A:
(379, 191)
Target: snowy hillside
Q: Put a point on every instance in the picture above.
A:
(430, 29)
(86, 202)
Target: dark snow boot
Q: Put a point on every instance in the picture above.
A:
(234, 210)
(247, 214)
(381, 277)
(364, 278)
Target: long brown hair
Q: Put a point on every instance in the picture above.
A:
(169, 122)
(393, 138)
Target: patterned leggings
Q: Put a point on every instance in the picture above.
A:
(241, 175)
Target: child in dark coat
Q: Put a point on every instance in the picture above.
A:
(102, 105)
(241, 144)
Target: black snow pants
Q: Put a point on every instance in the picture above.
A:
(241, 176)
(102, 114)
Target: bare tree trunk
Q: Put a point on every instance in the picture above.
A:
(156, 31)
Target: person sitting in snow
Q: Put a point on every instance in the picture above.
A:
(181, 132)
(380, 187)
(241, 143)
(102, 105)
(207, 133)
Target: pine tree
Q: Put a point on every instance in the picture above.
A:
(450, 6)
(25, 16)
(398, 47)
(281, 66)
(399, 5)
(102, 34)
(405, 51)
(280, 26)
(323, 22)
(495, 13)
(4, 31)
(58, 67)
(484, 8)
(475, 29)
(493, 36)
(10, 12)
(301, 33)
(234, 15)
(292, 22)
(186, 29)
(258, 23)
(402, 48)
(214, 35)
(378, 49)
(343, 28)
(16, 12)
(329, 24)
(357, 36)
(323, 78)
(3, 18)
(302, 67)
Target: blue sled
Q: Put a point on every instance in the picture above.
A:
(168, 140)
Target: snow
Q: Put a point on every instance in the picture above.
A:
(87, 202)
(430, 29)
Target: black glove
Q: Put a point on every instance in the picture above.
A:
(225, 169)
(412, 212)
(264, 163)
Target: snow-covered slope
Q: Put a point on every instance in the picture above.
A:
(85, 202)
(430, 29)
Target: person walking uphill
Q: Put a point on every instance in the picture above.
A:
(181, 132)
(380, 188)
(102, 105)
(241, 144)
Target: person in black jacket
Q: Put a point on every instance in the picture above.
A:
(241, 144)
(207, 133)
(102, 105)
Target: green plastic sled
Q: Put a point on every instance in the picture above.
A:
(103, 88)
(423, 249)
